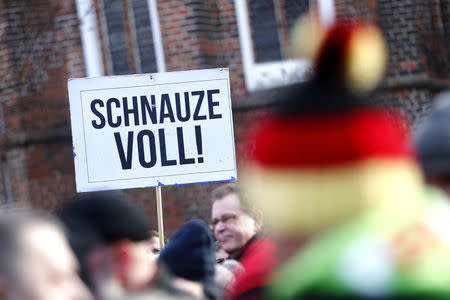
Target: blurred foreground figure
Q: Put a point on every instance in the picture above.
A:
(339, 184)
(433, 143)
(237, 229)
(110, 237)
(36, 262)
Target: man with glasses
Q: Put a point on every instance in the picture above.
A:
(236, 227)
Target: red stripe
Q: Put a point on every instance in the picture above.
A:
(329, 139)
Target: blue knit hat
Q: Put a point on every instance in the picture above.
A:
(190, 253)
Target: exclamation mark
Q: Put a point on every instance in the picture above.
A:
(198, 139)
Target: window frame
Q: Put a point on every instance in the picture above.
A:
(271, 74)
(90, 38)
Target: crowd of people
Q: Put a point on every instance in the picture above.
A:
(331, 205)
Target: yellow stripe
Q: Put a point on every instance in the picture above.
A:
(303, 201)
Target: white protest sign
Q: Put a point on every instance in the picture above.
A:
(152, 129)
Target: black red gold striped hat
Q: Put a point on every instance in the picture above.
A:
(323, 155)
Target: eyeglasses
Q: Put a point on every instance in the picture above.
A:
(225, 219)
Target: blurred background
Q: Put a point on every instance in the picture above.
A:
(43, 43)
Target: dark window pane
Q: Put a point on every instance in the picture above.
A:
(294, 9)
(264, 27)
(144, 36)
(116, 36)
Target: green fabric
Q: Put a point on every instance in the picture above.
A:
(408, 257)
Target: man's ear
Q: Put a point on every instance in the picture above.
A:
(258, 225)
(258, 220)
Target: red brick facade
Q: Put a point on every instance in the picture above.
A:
(41, 48)
(417, 34)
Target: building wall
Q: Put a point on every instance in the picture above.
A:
(42, 49)
(202, 34)
(417, 35)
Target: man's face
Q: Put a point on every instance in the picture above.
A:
(47, 269)
(138, 271)
(232, 227)
(121, 268)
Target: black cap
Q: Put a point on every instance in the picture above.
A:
(102, 218)
(110, 217)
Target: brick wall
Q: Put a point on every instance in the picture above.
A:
(417, 35)
(43, 49)
(399, 24)
(202, 34)
(350, 10)
(434, 30)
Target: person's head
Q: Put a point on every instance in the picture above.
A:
(433, 143)
(36, 262)
(190, 255)
(234, 223)
(110, 237)
(221, 255)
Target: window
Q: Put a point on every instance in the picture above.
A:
(264, 27)
(114, 36)
(120, 36)
(270, 26)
